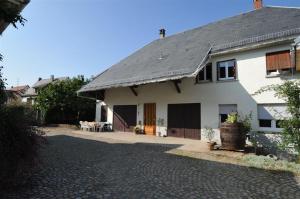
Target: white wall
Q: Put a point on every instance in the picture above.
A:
(251, 73)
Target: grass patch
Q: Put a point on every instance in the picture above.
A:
(268, 163)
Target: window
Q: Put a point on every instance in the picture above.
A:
(279, 63)
(205, 74)
(270, 115)
(224, 110)
(265, 123)
(226, 70)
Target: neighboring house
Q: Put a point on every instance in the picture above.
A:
(15, 6)
(15, 94)
(178, 85)
(31, 94)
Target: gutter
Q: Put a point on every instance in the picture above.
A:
(90, 98)
(255, 46)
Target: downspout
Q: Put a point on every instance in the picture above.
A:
(293, 53)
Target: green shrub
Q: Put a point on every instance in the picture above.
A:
(58, 103)
(232, 118)
(19, 144)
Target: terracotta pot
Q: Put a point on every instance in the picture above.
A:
(211, 145)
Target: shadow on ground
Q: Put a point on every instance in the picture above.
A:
(81, 168)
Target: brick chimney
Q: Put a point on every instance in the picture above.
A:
(258, 4)
(162, 33)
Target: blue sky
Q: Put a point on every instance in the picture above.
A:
(72, 37)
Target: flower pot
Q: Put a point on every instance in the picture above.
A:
(211, 145)
(233, 136)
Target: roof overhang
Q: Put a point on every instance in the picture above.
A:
(17, 5)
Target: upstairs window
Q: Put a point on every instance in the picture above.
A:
(205, 74)
(278, 63)
(226, 70)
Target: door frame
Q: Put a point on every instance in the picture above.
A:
(145, 115)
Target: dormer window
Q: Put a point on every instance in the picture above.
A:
(226, 70)
(279, 63)
(205, 75)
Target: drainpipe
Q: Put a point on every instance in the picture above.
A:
(293, 52)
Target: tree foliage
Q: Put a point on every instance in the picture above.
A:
(10, 14)
(2, 87)
(58, 102)
(289, 91)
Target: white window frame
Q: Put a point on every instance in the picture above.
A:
(226, 69)
(273, 127)
(205, 78)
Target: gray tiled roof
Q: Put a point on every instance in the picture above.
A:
(181, 54)
(45, 82)
(30, 93)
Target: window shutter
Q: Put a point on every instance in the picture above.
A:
(272, 111)
(298, 59)
(217, 71)
(227, 108)
(235, 69)
(279, 60)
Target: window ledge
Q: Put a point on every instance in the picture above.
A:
(270, 130)
(229, 80)
(273, 76)
(204, 82)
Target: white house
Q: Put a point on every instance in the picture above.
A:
(178, 85)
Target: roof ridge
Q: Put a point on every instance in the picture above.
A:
(287, 7)
(258, 38)
(210, 23)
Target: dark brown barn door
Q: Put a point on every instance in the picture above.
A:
(184, 120)
(124, 117)
(150, 118)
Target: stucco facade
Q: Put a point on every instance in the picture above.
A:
(251, 76)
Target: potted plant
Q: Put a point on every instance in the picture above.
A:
(209, 133)
(138, 129)
(233, 131)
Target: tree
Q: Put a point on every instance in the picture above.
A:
(19, 140)
(289, 91)
(58, 102)
(11, 14)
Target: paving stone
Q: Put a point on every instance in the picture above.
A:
(80, 168)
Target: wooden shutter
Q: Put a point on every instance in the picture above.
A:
(298, 59)
(279, 60)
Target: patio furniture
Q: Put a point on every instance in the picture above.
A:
(107, 127)
(85, 125)
(98, 126)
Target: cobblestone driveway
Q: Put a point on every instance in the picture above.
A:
(80, 168)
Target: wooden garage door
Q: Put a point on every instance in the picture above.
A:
(124, 118)
(184, 120)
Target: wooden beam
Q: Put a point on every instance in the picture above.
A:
(176, 83)
(132, 88)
